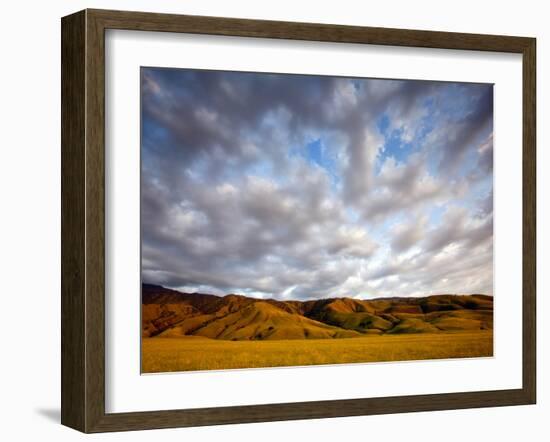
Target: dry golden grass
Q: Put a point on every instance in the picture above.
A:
(198, 353)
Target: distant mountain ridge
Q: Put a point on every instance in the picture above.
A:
(170, 313)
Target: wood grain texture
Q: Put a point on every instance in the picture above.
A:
(83, 220)
(95, 221)
(73, 293)
(144, 21)
(529, 221)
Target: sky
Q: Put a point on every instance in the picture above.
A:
(300, 186)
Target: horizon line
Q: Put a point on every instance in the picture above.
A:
(316, 299)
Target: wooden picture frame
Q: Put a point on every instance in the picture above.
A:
(83, 220)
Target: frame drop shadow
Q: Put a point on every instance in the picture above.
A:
(51, 414)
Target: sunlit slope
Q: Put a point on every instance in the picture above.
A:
(169, 313)
(260, 320)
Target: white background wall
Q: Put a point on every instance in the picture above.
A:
(30, 216)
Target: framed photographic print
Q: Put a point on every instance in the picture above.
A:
(269, 220)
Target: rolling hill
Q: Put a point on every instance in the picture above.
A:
(169, 313)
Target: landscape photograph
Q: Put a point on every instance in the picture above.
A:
(299, 220)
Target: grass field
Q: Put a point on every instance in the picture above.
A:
(198, 353)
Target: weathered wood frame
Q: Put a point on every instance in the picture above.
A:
(83, 220)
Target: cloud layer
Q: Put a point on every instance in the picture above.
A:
(299, 187)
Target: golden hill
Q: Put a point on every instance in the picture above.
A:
(169, 313)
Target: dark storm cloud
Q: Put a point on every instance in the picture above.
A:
(459, 135)
(205, 110)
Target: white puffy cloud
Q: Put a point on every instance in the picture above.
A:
(289, 186)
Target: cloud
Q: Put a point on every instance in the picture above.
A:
(458, 135)
(458, 227)
(290, 186)
(400, 187)
(407, 235)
